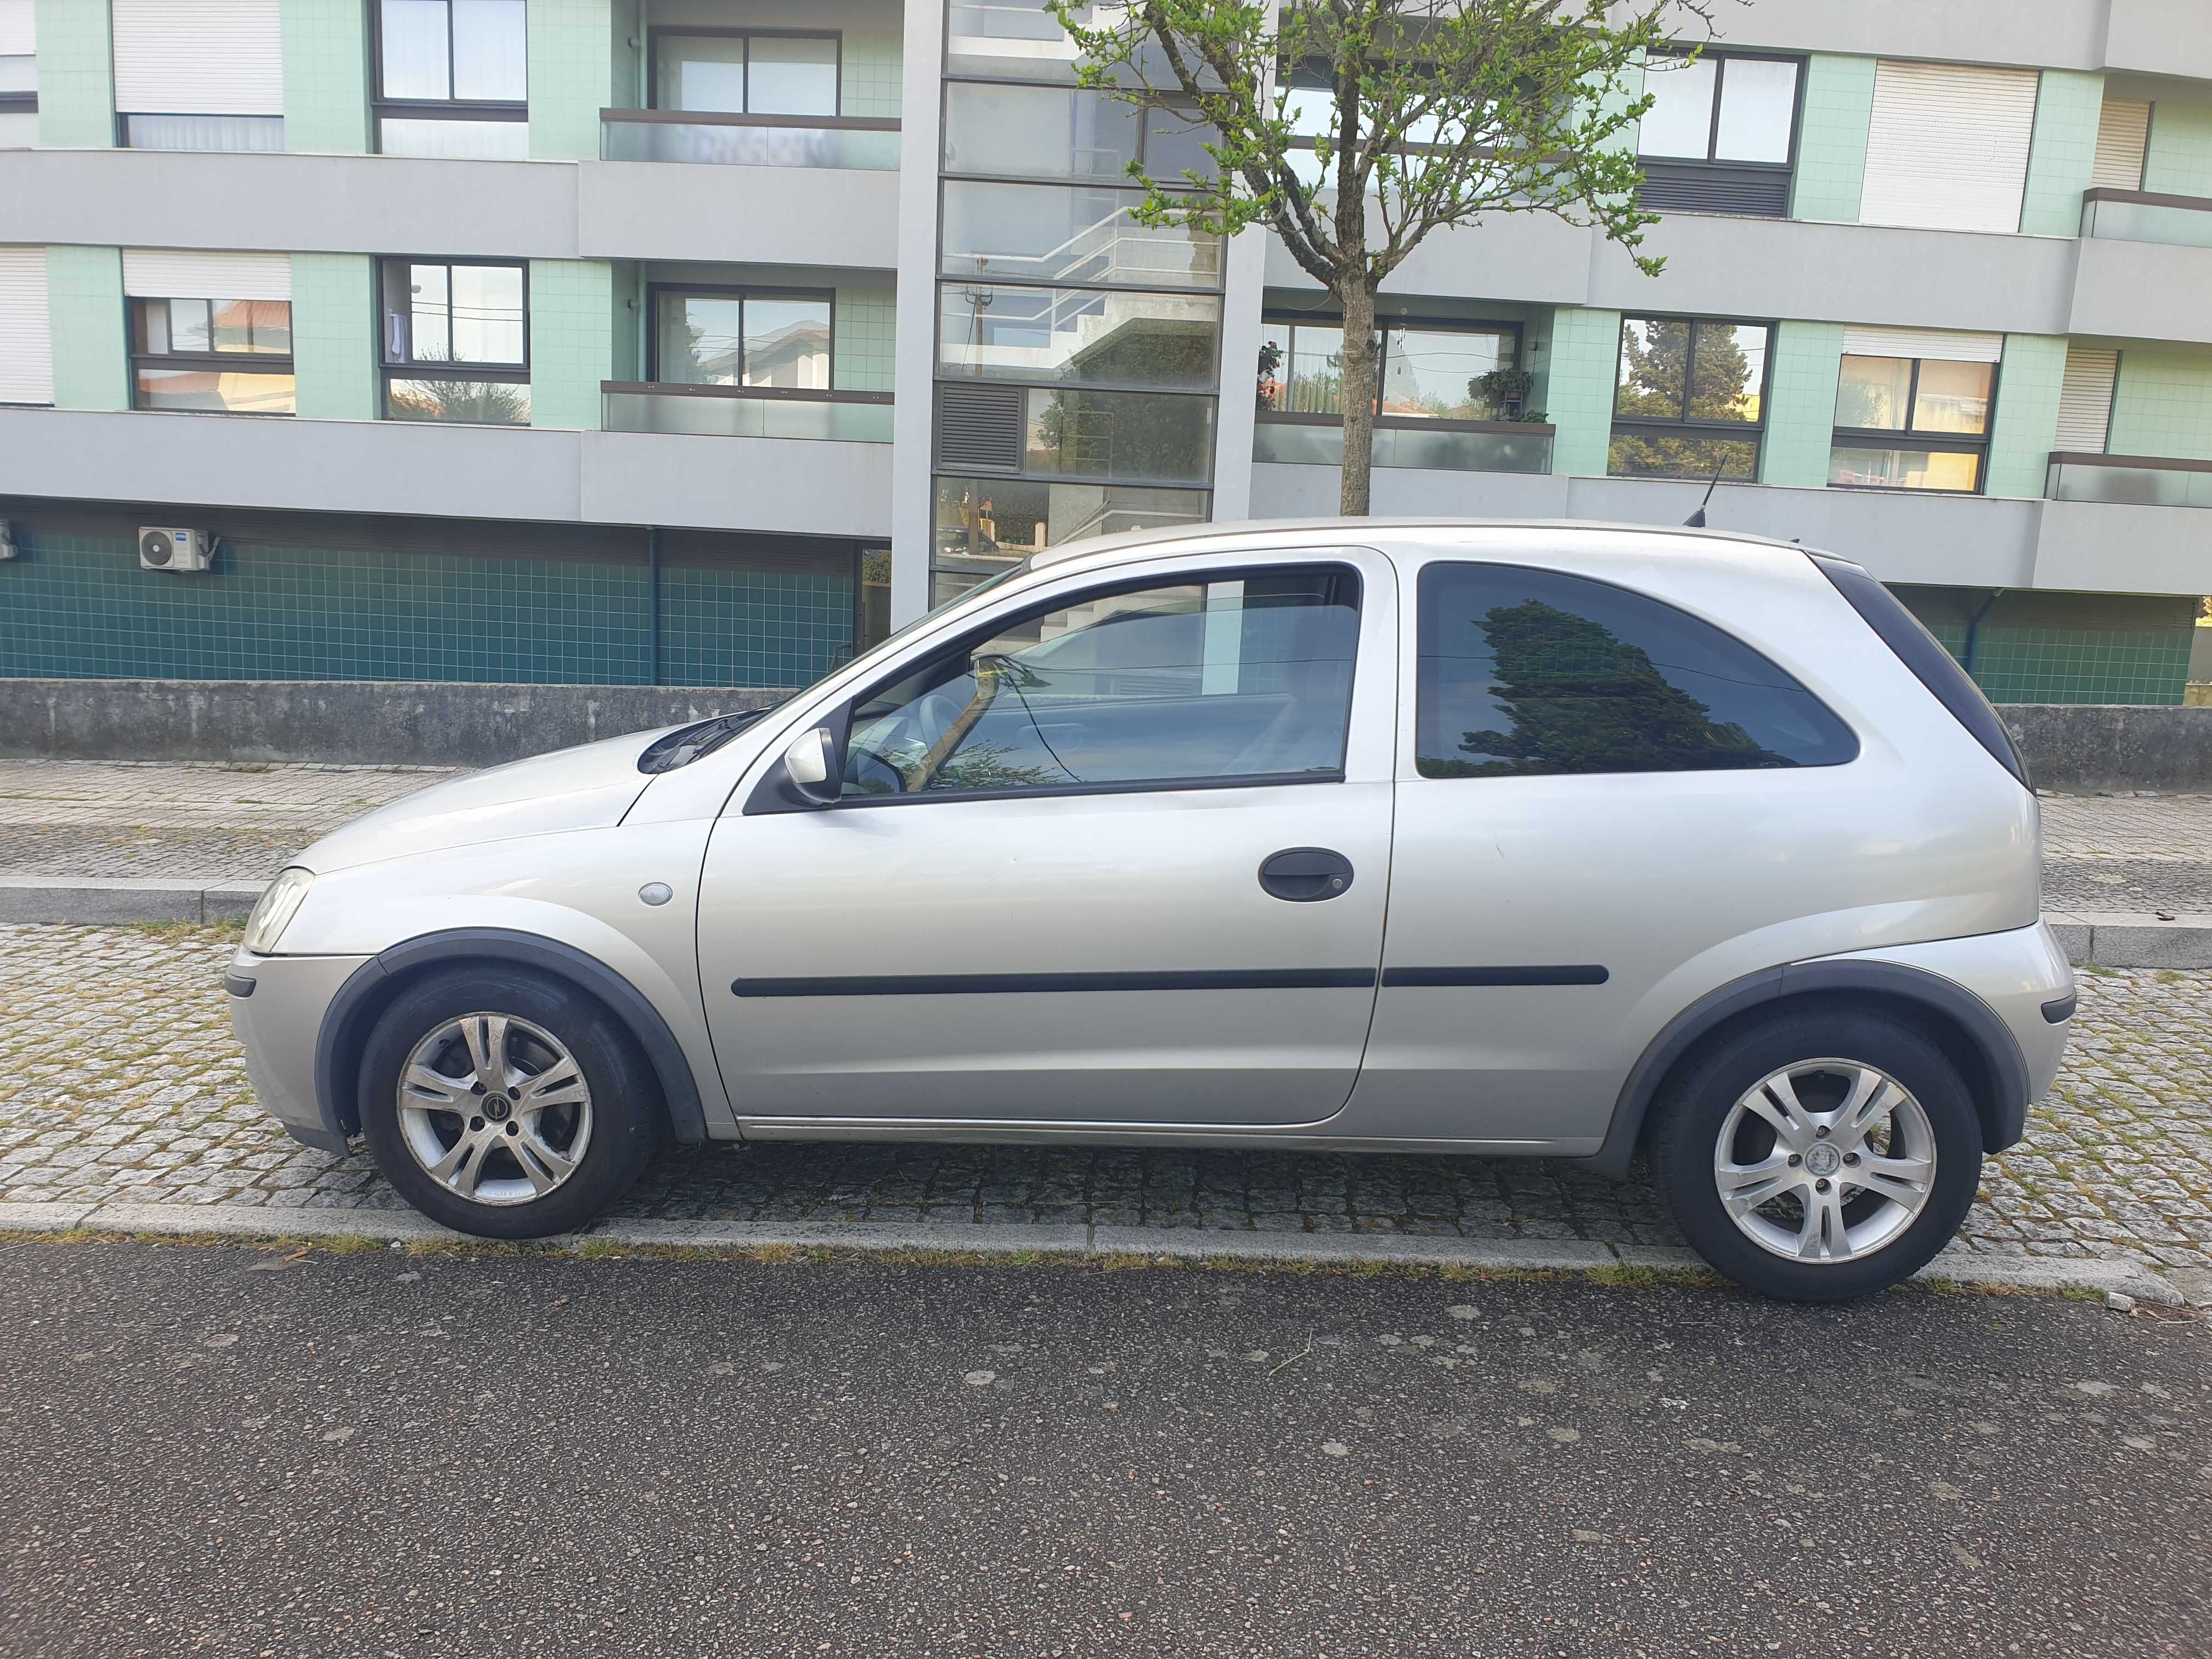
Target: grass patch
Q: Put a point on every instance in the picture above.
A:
(212, 933)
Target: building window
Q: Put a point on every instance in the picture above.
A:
(743, 337)
(1689, 399)
(452, 79)
(1912, 424)
(1427, 371)
(1720, 134)
(224, 356)
(456, 342)
(746, 71)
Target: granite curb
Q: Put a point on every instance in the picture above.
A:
(1977, 1269)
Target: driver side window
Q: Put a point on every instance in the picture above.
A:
(1245, 675)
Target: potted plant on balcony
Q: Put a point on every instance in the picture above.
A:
(1506, 389)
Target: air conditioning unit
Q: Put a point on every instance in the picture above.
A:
(6, 539)
(174, 549)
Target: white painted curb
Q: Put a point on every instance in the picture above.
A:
(1956, 1266)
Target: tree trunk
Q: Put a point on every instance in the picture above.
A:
(1359, 370)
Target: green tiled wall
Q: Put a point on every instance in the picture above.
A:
(866, 314)
(2074, 664)
(2061, 153)
(79, 606)
(571, 57)
(84, 306)
(874, 70)
(1631, 89)
(626, 320)
(1800, 404)
(1831, 139)
(76, 77)
(1578, 389)
(2177, 161)
(334, 336)
(571, 341)
(2162, 404)
(326, 78)
(2025, 427)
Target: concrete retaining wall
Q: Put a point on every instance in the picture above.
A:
(361, 722)
(383, 723)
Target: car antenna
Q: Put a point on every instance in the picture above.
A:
(1697, 519)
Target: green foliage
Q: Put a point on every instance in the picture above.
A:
(1656, 382)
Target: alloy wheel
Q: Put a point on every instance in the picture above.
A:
(495, 1108)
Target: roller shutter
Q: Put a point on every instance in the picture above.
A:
(19, 34)
(199, 58)
(1947, 149)
(26, 356)
(179, 274)
(1945, 345)
(2123, 135)
(2085, 400)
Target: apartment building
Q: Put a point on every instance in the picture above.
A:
(701, 342)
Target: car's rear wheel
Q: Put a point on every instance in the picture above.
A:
(504, 1103)
(1819, 1156)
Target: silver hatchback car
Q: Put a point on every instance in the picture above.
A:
(1572, 840)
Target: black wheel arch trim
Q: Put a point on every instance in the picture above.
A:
(346, 1021)
(2004, 1116)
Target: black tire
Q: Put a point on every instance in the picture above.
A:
(627, 1116)
(1695, 1105)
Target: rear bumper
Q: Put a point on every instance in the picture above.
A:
(276, 1006)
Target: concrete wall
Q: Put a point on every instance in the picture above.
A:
(2088, 747)
(345, 722)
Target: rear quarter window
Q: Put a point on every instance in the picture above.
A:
(1525, 673)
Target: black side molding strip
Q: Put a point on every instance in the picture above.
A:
(1588, 973)
(952, 985)
(2059, 1010)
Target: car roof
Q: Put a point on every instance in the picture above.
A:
(1110, 549)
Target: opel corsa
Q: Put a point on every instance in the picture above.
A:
(1567, 841)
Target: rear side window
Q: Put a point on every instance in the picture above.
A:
(1531, 672)
(1923, 653)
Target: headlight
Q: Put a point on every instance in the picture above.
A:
(274, 911)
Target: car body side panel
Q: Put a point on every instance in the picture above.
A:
(277, 1025)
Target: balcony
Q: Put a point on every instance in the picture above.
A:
(747, 411)
(1434, 446)
(2143, 215)
(2129, 480)
(851, 143)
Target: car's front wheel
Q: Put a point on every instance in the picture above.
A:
(1818, 1156)
(504, 1103)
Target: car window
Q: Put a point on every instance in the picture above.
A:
(1245, 675)
(1528, 672)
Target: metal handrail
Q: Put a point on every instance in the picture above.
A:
(1406, 422)
(802, 394)
(2144, 462)
(704, 117)
(2147, 199)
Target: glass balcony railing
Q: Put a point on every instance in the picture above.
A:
(1436, 445)
(747, 411)
(2143, 216)
(2138, 480)
(865, 143)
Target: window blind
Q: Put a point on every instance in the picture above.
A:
(1948, 148)
(19, 29)
(1946, 345)
(26, 356)
(183, 274)
(2085, 399)
(198, 57)
(2122, 135)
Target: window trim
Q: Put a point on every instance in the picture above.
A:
(654, 33)
(1291, 319)
(764, 797)
(1723, 57)
(741, 292)
(438, 109)
(1911, 437)
(1410, 765)
(1740, 431)
(227, 362)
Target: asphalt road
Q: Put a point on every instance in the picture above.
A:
(218, 1451)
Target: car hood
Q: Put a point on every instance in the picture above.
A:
(588, 787)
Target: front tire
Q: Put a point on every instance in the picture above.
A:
(506, 1104)
(1819, 1156)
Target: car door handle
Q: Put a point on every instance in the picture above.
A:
(1304, 874)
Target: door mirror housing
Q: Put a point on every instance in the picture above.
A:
(813, 770)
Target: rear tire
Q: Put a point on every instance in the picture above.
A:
(506, 1104)
(1817, 1157)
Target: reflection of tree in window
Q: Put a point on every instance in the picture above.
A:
(1656, 383)
(1580, 701)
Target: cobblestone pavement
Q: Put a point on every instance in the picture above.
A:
(120, 1080)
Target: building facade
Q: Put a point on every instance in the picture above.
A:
(702, 341)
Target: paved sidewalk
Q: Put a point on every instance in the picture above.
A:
(120, 1082)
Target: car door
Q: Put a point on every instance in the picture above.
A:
(1053, 889)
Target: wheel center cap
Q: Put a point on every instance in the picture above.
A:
(496, 1107)
(1823, 1160)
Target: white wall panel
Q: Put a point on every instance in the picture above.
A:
(2122, 135)
(1947, 149)
(185, 274)
(27, 352)
(199, 58)
(1946, 346)
(2085, 399)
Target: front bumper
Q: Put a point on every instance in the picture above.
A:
(276, 1006)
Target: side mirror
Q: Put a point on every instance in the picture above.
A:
(812, 769)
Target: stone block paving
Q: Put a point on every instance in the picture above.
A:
(120, 1080)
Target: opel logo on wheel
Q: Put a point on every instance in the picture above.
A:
(496, 1107)
(1824, 1160)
